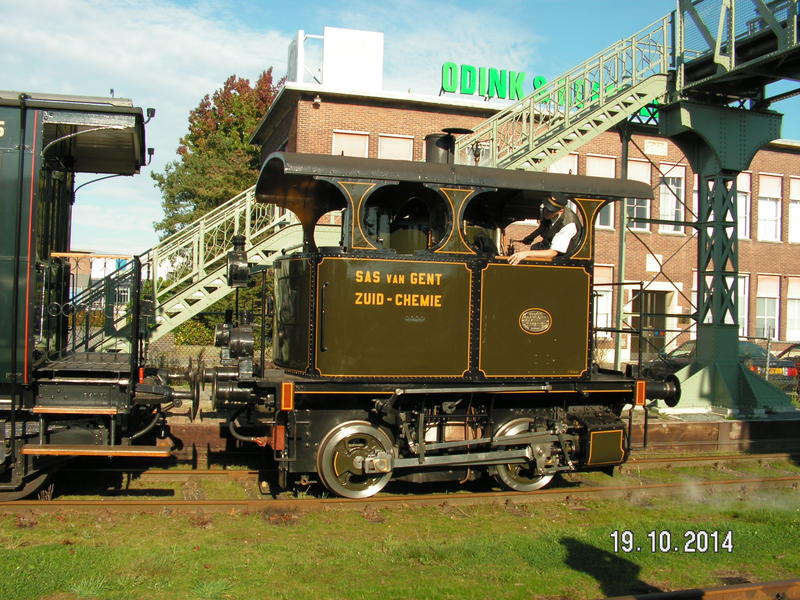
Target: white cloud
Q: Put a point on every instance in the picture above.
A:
(421, 35)
(156, 53)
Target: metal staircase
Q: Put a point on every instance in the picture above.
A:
(572, 109)
(185, 273)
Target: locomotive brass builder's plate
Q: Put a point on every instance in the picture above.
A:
(535, 320)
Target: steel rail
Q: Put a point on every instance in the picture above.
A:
(773, 590)
(238, 474)
(308, 505)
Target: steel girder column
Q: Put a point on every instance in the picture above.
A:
(720, 142)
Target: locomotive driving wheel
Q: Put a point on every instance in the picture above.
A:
(352, 459)
(520, 477)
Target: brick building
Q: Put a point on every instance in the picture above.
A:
(329, 119)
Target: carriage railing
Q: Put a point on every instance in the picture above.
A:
(102, 317)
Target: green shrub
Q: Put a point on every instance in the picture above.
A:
(193, 333)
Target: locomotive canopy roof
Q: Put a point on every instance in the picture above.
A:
(97, 135)
(297, 181)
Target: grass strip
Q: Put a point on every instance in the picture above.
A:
(548, 550)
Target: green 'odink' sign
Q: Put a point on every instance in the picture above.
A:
(509, 85)
(486, 81)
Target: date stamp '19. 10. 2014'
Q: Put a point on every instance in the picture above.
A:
(654, 541)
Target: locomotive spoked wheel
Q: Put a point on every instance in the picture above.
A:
(341, 457)
(520, 477)
(195, 408)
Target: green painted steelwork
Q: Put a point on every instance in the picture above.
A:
(717, 51)
(719, 143)
(575, 107)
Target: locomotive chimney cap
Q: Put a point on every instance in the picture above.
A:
(457, 130)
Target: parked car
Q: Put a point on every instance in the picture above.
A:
(792, 353)
(782, 372)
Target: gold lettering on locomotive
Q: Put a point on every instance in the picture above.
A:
(402, 299)
(370, 298)
(426, 279)
(368, 276)
(422, 300)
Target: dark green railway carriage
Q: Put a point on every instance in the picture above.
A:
(413, 348)
(58, 398)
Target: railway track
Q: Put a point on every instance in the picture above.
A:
(573, 494)
(636, 462)
(773, 590)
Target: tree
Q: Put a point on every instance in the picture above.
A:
(216, 159)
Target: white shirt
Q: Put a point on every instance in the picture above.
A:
(562, 239)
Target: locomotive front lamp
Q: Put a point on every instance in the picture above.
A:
(238, 274)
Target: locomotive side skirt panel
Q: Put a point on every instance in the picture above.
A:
(511, 295)
(606, 447)
(392, 318)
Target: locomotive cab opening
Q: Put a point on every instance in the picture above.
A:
(490, 217)
(405, 218)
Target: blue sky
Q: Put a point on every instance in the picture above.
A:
(168, 54)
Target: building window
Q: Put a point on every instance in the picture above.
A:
(396, 147)
(769, 224)
(767, 297)
(794, 221)
(350, 143)
(568, 165)
(794, 210)
(671, 198)
(602, 166)
(603, 295)
(769, 208)
(743, 205)
(637, 208)
(793, 309)
(744, 302)
(605, 218)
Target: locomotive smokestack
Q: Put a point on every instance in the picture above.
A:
(441, 147)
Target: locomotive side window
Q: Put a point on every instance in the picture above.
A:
(405, 218)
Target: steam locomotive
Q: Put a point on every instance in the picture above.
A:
(411, 350)
(414, 350)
